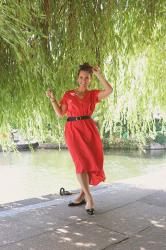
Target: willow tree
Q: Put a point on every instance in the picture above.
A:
(43, 42)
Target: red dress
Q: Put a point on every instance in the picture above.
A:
(82, 136)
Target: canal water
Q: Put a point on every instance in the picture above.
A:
(33, 174)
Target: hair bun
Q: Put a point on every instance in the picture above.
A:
(85, 66)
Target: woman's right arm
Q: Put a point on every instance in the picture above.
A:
(60, 110)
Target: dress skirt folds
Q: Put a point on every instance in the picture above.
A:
(82, 136)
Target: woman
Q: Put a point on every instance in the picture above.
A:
(81, 134)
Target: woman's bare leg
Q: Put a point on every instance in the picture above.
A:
(80, 197)
(83, 179)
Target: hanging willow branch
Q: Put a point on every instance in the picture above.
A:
(43, 42)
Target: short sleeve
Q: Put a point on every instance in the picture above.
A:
(64, 99)
(95, 93)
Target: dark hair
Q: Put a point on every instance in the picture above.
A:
(85, 67)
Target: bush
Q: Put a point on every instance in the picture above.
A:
(160, 138)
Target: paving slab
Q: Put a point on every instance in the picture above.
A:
(80, 235)
(132, 218)
(118, 195)
(158, 199)
(26, 225)
(153, 238)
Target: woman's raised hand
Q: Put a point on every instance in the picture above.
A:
(49, 93)
(96, 71)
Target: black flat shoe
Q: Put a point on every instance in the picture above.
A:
(75, 204)
(90, 211)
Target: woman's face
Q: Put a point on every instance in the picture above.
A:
(84, 78)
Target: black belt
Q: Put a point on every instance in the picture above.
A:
(76, 118)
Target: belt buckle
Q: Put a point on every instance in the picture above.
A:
(78, 118)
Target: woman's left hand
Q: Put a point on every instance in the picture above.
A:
(96, 71)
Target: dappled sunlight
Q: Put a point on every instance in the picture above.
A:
(131, 216)
(159, 223)
(62, 230)
(73, 217)
(79, 234)
(64, 239)
(85, 234)
(85, 244)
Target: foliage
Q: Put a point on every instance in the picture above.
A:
(160, 138)
(43, 42)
